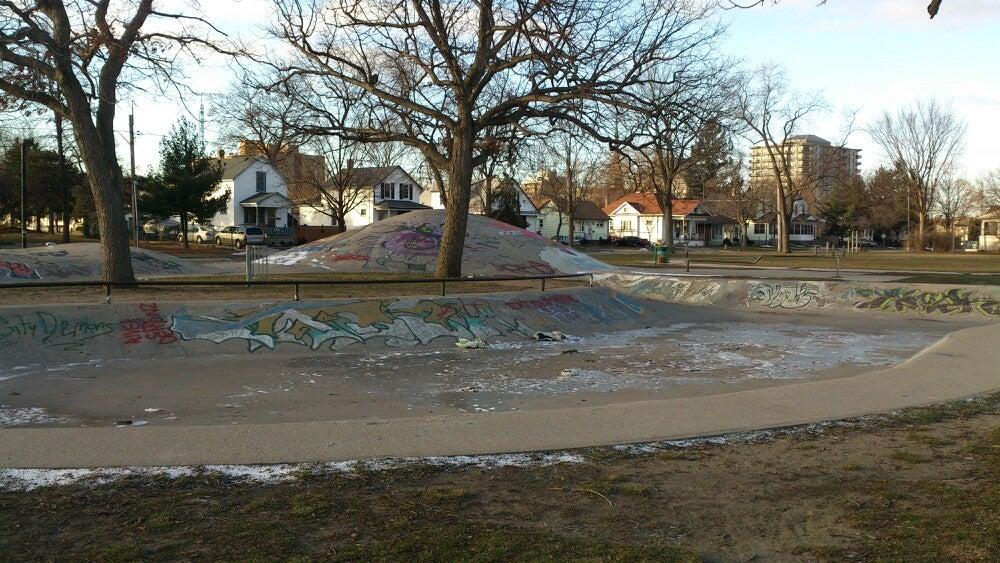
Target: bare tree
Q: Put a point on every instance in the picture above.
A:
(988, 187)
(772, 116)
(341, 191)
(441, 75)
(73, 57)
(932, 8)
(926, 140)
(730, 195)
(695, 94)
(567, 172)
(251, 112)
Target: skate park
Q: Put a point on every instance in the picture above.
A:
(622, 357)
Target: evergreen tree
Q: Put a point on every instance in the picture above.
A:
(711, 153)
(506, 205)
(186, 181)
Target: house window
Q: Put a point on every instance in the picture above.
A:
(760, 228)
(363, 212)
(406, 191)
(386, 191)
(801, 229)
(541, 222)
(991, 228)
(261, 182)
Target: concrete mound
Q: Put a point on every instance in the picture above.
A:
(82, 261)
(410, 243)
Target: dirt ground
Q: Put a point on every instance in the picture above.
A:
(920, 485)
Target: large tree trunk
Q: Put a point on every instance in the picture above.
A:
(921, 234)
(107, 185)
(783, 220)
(184, 230)
(449, 261)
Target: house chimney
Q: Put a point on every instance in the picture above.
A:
(222, 154)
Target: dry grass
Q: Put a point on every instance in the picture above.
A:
(920, 486)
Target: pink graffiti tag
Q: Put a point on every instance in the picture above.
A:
(563, 307)
(152, 327)
(19, 270)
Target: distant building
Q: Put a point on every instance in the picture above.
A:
(989, 230)
(432, 198)
(302, 172)
(589, 221)
(811, 160)
(640, 215)
(379, 193)
(258, 194)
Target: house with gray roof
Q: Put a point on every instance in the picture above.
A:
(258, 195)
(373, 193)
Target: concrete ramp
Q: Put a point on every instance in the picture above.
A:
(911, 300)
(82, 261)
(409, 243)
(67, 334)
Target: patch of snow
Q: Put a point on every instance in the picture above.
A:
(26, 416)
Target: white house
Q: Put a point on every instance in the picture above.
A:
(989, 231)
(527, 209)
(640, 215)
(804, 228)
(589, 222)
(258, 195)
(380, 193)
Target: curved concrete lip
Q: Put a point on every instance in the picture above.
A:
(962, 364)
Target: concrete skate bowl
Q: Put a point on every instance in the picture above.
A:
(250, 382)
(959, 303)
(409, 243)
(82, 261)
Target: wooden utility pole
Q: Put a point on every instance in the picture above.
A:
(135, 196)
(62, 179)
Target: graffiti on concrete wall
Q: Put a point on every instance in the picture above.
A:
(151, 327)
(775, 295)
(19, 270)
(677, 290)
(901, 299)
(412, 322)
(50, 330)
(336, 326)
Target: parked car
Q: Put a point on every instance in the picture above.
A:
(197, 233)
(577, 237)
(632, 242)
(240, 236)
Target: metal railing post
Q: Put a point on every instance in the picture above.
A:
(296, 291)
(543, 284)
(107, 294)
(443, 282)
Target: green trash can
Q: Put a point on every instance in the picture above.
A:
(662, 254)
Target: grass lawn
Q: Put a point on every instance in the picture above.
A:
(920, 486)
(11, 238)
(958, 262)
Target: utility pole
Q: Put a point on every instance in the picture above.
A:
(24, 192)
(135, 194)
(908, 234)
(62, 179)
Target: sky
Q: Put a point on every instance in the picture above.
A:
(860, 55)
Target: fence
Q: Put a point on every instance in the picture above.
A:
(257, 263)
(297, 284)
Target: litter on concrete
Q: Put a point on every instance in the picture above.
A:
(550, 336)
(469, 344)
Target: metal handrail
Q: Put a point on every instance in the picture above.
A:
(297, 283)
